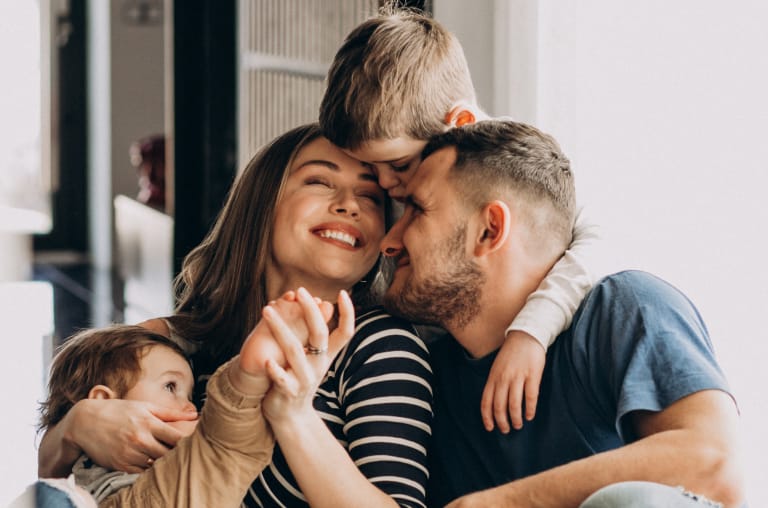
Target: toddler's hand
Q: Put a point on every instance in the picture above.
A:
(261, 346)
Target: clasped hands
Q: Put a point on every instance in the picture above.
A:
(289, 351)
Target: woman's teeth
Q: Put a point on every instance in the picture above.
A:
(340, 236)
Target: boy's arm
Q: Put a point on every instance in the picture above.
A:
(516, 373)
(690, 443)
(550, 309)
(219, 461)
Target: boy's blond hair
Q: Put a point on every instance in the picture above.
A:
(397, 74)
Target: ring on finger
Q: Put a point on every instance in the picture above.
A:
(150, 461)
(312, 350)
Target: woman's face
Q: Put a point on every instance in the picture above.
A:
(329, 222)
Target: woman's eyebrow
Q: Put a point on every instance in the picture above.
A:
(319, 162)
(366, 176)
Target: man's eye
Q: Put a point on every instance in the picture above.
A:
(401, 167)
(170, 386)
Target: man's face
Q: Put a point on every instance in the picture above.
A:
(436, 281)
(393, 160)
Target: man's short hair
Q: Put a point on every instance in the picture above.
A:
(397, 74)
(519, 164)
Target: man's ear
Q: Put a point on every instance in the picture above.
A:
(495, 224)
(102, 392)
(463, 113)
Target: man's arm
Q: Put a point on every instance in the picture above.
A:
(691, 443)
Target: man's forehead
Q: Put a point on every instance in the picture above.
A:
(433, 170)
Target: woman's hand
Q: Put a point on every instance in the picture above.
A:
(260, 345)
(293, 387)
(120, 434)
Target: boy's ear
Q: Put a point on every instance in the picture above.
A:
(463, 113)
(102, 392)
(495, 224)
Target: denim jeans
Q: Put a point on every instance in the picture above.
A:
(646, 495)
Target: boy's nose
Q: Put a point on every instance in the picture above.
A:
(388, 179)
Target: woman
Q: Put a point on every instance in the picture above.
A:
(302, 214)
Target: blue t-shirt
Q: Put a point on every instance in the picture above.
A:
(636, 343)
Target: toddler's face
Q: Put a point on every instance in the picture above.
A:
(166, 380)
(393, 160)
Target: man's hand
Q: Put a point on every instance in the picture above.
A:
(515, 375)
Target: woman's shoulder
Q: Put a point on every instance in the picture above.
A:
(164, 326)
(376, 329)
(157, 325)
(374, 320)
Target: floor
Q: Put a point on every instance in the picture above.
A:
(36, 316)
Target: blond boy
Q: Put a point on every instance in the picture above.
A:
(398, 79)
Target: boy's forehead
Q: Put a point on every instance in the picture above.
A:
(388, 150)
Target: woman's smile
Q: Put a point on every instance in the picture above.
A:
(343, 235)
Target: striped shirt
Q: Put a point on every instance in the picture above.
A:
(377, 401)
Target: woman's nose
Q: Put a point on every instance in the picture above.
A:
(346, 204)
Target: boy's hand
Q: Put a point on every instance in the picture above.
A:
(515, 374)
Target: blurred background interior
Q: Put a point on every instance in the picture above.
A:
(123, 123)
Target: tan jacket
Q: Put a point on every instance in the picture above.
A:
(217, 463)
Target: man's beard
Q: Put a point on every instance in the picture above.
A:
(449, 299)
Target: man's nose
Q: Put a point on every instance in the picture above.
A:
(392, 243)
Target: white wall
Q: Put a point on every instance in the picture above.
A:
(663, 109)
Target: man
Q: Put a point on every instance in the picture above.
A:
(631, 390)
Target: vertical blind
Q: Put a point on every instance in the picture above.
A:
(286, 47)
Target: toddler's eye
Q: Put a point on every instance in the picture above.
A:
(170, 386)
